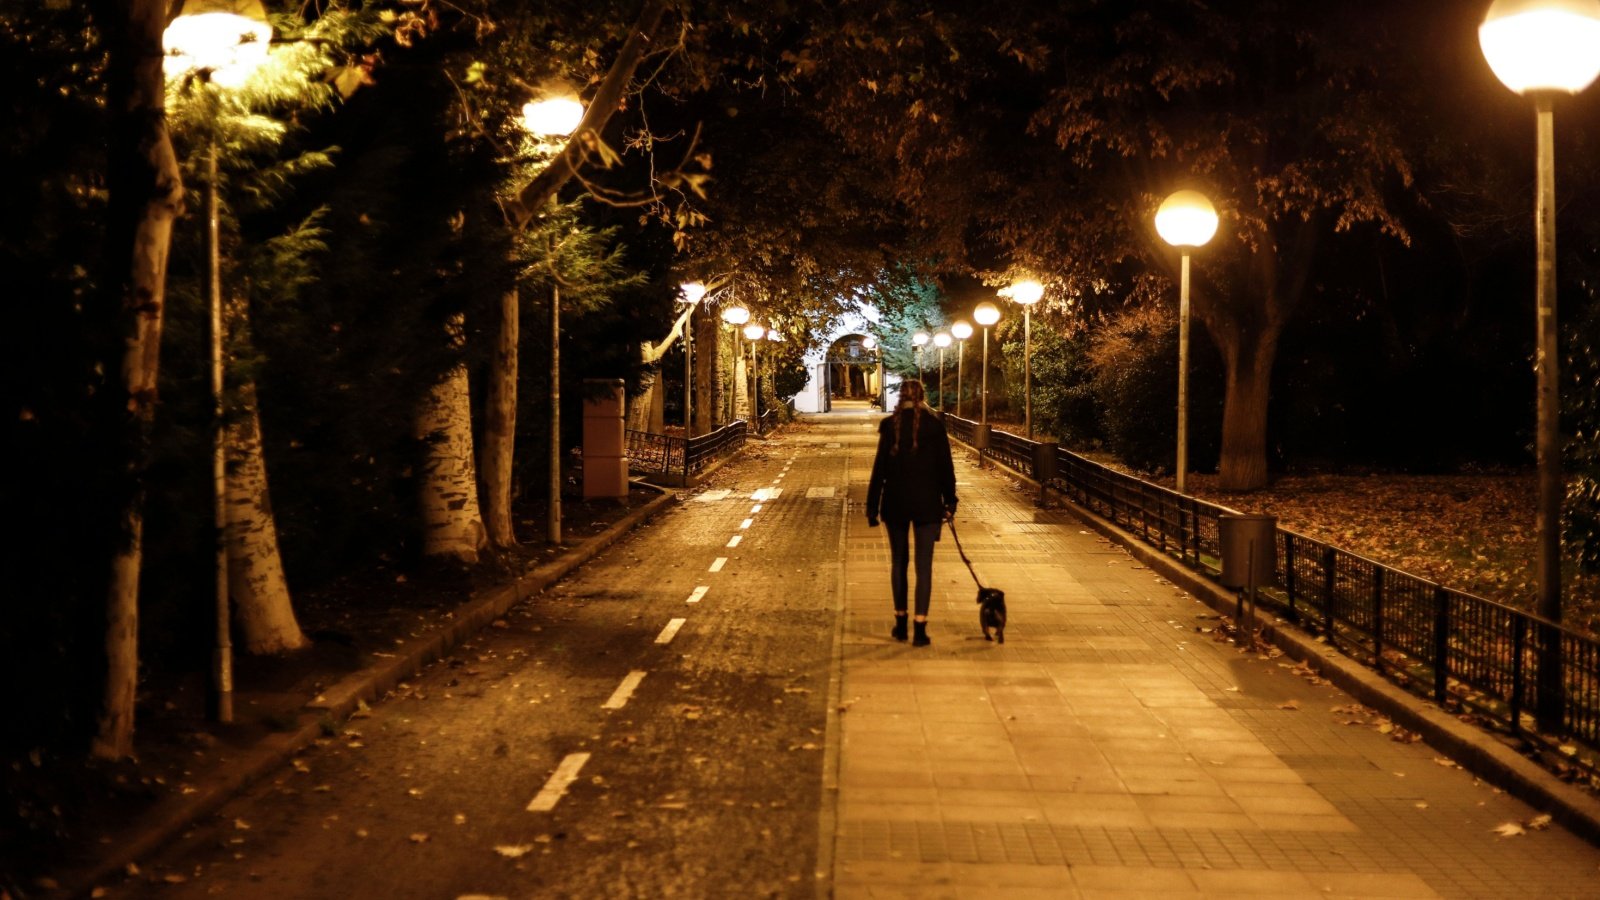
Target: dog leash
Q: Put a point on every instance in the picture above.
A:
(963, 552)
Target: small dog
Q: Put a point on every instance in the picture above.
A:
(992, 613)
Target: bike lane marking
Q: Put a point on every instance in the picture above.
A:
(556, 787)
(670, 632)
(619, 697)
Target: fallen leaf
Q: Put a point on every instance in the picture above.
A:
(1447, 763)
(1289, 704)
(241, 825)
(419, 837)
(1422, 804)
(1508, 829)
(1539, 823)
(460, 818)
(512, 851)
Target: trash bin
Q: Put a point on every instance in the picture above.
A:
(1237, 533)
(980, 436)
(1044, 461)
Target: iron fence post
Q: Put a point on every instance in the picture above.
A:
(1441, 644)
(1519, 639)
(1289, 577)
(1327, 594)
(1377, 618)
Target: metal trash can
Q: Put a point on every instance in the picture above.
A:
(980, 436)
(1237, 532)
(1044, 461)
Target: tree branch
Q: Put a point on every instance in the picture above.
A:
(537, 192)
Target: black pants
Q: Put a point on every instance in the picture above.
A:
(900, 557)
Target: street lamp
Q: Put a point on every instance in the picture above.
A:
(871, 343)
(736, 316)
(1543, 48)
(222, 43)
(553, 116)
(1026, 292)
(941, 340)
(918, 341)
(1185, 220)
(986, 314)
(689, 293)
(754, 332)
(960, 331)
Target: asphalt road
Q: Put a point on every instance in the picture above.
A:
(539, 761)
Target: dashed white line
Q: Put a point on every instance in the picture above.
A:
(734, 541)
(670, 632)
(699, 591)
(755, 509)
(717, 564)
(619, 697)
(746, 524)
(554, 789)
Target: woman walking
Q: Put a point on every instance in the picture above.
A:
(913, 490)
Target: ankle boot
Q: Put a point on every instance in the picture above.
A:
(899, 630)
(919, 636)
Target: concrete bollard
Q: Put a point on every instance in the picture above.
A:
(605, 439)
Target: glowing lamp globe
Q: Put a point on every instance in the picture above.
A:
(869, 343)
(690, 292)
(1026, 292)
(755, 332)
(986, 314)
(774, 334)
(736, 315)
(226, 39)
(941, 340)
(553, 116)
(1187, 219)
(920, 338)
(961, 331)
(1542, 45)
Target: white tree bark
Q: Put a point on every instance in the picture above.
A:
(452, 527)
(263, 612)
(147, 196)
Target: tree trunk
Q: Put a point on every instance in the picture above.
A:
(705, 374)
(264, 614)
(451, 525)
(500, 425)
(641, 408)
(1248, 357)
(146, 198)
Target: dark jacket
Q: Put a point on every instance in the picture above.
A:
(914, 484)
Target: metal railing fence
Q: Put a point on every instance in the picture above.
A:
(676, 457)
(1450, 646)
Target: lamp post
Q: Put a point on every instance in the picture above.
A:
(960, 331)
(689, 292)
(986, 314)
(871, 343)
(941, 340)
(553, 116)
(736, 316)
(1542, 49)
(1185, 220)
(222, 43)
(754, 332)
(1026, 293)
(918, 341)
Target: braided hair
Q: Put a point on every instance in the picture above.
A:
(913, 400)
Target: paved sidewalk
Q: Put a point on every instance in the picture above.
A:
(1113, 748)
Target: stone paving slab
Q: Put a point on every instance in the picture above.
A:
(1112, 748)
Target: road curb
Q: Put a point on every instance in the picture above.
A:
(1475, 750)
(170, 817)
